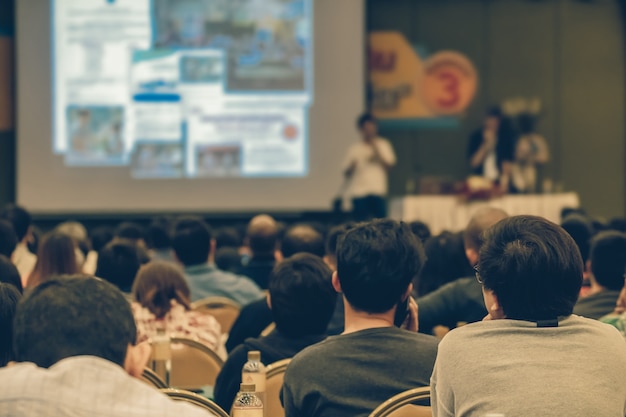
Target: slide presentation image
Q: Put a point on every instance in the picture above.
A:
(201, 69)
(95, 135)
(266, 41)
(218, 161)
(158, 160)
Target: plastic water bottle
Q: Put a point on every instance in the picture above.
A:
(247, 403)
(253, 372)
(162, 355)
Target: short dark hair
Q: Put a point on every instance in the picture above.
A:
(9, 297)
(100, 236)
(302, 295)
(19, 217)
(72, 316)
(191, 241)
(376, 262)
(580, 228)
(364, 118)
(158, 234)
(118, 263)
(333, 237)
(445, 262)
(9, 273)
(130, 230)
(302, 238)
(228, 237)
(533, 267)
(8, 238)
(420, 230)
(608, 259)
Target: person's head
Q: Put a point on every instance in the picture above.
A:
(420, 230)
(482, 220)
(445, 262)
(20, 219)
(192, 241)
(262, 235)
(366, 123)
(158, 234)
(228, 259)
(526, 123)
(332, 239)
(376, 263)
(78, 232)
(493, 118)
(8, 238)
(100, 236)
(9, 297)
(302, 238)
(581, 230)
(157, 284)
(301, 295)
(608, 259)
(56, 256)
(530, 268)
(77, 315)
(131, 231)
(618, 224)
(228, 237)
(118, 263)
(9, 273)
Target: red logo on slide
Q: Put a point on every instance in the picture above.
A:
(290, 132)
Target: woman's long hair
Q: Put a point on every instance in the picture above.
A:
(157, 284)
(56, 256)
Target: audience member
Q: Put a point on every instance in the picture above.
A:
(262, 239)
(193, 246)
(9, 296)
(462, 299)
(618, 224)
(9, 273)
(77, 231)
(531, 273)
(21, 220)
(607, 263)
(351, 374)
(162, 301)
(302, 238)
(118, 263)
(131, 231)
(302, 300)
(579, 227)
(228, 259)
(228, 237)
(81, 359)
(8, 238)
(445, 262)
(98, 237)
(420, 230)
(158, 239)
(56, 256)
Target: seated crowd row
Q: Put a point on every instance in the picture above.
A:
(352, 351)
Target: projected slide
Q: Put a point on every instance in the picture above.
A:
(183, 88)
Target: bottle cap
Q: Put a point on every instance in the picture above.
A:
(247, 388)
(254, 355)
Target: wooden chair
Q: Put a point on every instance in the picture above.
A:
(223, 309)
(195, 399)
(402, 405)
(275, 374)
(151, 378)
(193, 364)
(269, 329)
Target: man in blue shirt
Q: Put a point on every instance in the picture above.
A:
(193, 246)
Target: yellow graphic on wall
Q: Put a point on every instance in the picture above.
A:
(405, 86)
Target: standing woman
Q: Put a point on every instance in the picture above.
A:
(56, 256)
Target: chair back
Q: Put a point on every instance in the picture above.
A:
(151, 378)
(403, 405)
(275, 375)
(194, 365)
(223, 309)
(195, 399)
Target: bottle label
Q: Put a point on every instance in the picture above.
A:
(257, 379)
(247, 411)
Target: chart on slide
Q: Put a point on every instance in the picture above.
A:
(183, 88)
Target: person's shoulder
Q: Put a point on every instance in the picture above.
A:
(596, 326)
(313, 354)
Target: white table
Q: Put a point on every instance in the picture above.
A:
(445, 212)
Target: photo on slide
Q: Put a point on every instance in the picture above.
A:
(218, 161)
(95, 135)
(157, 160)
(267, 42)
(201, 69)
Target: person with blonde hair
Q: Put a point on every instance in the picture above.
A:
(162, 301)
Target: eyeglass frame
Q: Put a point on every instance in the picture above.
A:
(478, 277)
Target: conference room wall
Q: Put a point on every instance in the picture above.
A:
(569, 53)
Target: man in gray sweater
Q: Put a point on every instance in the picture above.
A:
(531, 356)
(372, 360)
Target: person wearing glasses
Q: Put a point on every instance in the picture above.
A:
(530, 356)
